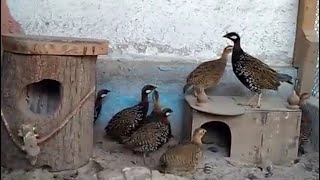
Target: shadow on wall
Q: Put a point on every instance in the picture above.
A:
(125, 80)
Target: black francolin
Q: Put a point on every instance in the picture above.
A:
(125, 122)
(253, 73)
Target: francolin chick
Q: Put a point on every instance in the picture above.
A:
(151, 136)
(98, 103)
(207, 74)
(253, 73)
(125, 122)
(183, 157)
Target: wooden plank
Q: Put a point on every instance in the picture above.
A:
(308, 55)
(305, 21)
(306, 46)
(51, 45)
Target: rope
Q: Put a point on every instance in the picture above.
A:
(45, 138)
(5, 122)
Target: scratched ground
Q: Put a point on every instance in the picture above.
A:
(110, 158)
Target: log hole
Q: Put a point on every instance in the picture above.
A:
(43, 97)
(218, 137)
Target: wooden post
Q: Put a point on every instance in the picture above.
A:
(306, 46)
(48, 83)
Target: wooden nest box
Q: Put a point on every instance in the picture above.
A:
(47, 101)
(256, 136)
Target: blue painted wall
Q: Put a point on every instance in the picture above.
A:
(125, 80)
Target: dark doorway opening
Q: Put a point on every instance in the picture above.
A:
(219, 136)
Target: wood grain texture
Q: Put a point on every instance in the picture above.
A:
(31, 44)
(306, 58)
(73, 145)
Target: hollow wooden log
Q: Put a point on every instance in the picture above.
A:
(44, 79)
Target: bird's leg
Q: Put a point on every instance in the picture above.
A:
(259, 101)
(195, 93)
(144, 159)
(201, 95)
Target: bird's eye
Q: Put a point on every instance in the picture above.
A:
(233, 37)
(148, 91)
(168, 114)
(103, 95)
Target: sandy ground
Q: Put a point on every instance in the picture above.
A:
(111, 158)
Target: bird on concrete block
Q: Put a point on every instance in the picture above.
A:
(126, 121)
(183, 157)
(151, 136)
(98, 103)
(253, 73)
(208, 74)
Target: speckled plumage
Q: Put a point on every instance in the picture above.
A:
(183, 157)
(153, 135)
(150, 137)
(125, 122)
(208, 74)
(253, 73)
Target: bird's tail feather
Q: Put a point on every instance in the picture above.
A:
(285, 78)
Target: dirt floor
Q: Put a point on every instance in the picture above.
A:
(112, 162)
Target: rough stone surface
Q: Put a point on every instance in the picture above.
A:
(156, 175)
(112, 165)
(133, 173)
(190, 28)
(111, 175)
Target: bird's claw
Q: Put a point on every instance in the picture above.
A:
(250, 105)
(255, 106)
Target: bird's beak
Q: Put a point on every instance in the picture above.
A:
(225, 36)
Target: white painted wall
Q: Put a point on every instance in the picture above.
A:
(175, 28)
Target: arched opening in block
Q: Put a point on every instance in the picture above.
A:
(218, 137)
(43, 97)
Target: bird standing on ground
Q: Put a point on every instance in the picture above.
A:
(98, 103)
(151, 136)
(125, 122)
(253, 73)
(183, 157)
(208, 74)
